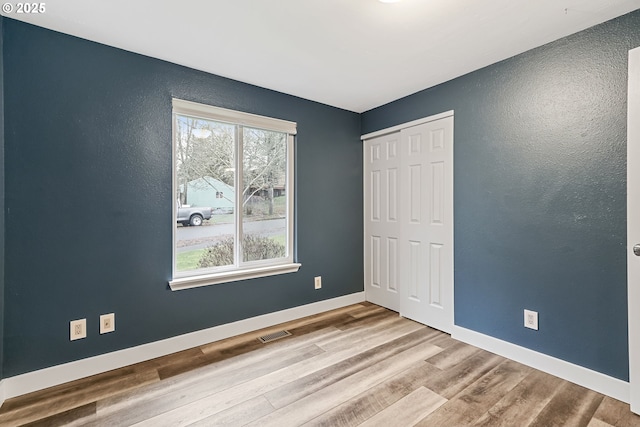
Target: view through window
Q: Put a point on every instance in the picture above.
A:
(232, 195)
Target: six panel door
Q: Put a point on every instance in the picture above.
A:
(382, 221)
(426, 237)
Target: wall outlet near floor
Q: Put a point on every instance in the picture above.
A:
(317, 282)
(531, 319)
(107, 323)
(77, 329)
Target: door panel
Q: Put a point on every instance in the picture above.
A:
(392, 265)
(382, 225)
(435, 276)
(427, 228)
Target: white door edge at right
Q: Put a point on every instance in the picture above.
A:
(633, 227)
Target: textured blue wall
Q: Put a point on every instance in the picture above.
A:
(88, 198)
(540, 193)
(539, 196)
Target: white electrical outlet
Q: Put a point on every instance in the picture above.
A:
(531, 319)
(317, 282)
(107, 323)
(77, 329)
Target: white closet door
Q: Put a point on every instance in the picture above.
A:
(426, 247)
(382, 221)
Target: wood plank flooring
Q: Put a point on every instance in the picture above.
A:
(360, 365)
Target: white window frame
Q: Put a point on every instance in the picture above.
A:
(192, 279)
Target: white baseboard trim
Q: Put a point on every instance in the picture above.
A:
(588, 378)
(55, 375)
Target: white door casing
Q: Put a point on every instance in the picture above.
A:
(382, 222)
(408, 209)
(426, 251)
(633, 226)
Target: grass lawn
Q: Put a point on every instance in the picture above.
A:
(279, 239)
(189, 260)
(221, 219)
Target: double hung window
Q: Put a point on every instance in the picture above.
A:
(233, 190)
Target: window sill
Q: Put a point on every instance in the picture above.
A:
(231, 276)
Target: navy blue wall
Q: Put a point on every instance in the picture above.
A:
(88, 198)
(540, 193)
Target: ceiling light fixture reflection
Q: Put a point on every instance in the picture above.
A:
(201, 133)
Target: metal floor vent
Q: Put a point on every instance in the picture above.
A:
(274, 336)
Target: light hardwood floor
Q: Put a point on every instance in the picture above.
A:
(360, 365)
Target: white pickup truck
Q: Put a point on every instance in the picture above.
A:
(188, 215)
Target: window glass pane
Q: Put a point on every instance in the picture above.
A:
(205, 175)
(264, 195)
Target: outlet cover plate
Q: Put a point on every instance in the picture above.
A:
(77, 329)
(531, 319)
(317, 282)
(107, 323)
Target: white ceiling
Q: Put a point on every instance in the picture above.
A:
(352, 54)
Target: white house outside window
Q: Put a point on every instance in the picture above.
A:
(233, 189)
